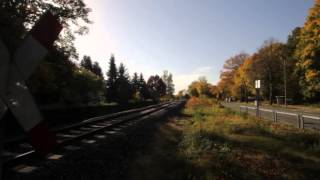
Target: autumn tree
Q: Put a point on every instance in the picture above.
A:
(233, 63)
(226, 86)
(308, 53)
(200, 88)
(243, 80)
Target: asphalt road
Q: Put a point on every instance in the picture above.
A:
(236, 105)
(298, 118)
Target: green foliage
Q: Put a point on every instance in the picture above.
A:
(17, 17)
(58, 80)
(84, 87)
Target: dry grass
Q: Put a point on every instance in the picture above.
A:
(210, 142)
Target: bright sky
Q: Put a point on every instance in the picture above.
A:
(189, 38)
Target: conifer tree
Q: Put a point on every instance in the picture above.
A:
(112, 76)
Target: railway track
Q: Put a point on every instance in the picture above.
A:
(18, 150)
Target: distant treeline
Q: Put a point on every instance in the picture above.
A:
(292, 67)
(60, 78)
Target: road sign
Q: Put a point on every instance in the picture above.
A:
(15, 71)
(257, 84)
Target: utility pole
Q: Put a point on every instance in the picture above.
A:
(285, 80)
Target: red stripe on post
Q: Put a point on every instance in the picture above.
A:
(47, 29)
(42, 139)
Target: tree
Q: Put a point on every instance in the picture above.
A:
(123, 87)
(233, 63)
(269, 68)
(52, 81)
(293, 86)
(86, 63)
(96, 69)
(84, 87)
(143, 88)
(226, 86)
(112, 76)
(243, 80)
(17, 17)
(200, 88)
(308, 53)
(293, 41)
(193, 91)
(167, 79)
(156, 86)
(135, 83)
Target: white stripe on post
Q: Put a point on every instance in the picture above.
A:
(29, 55)
(21, 103)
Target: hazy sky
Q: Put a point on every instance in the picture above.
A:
(189, 38)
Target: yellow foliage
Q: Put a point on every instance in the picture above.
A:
(307, 63)
(312, 74)
(195, 102)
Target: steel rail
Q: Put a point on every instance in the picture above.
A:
(124, 118)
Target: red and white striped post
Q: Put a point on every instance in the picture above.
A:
(13, 91)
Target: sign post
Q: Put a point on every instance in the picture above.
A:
(15, 70)
(257, 86)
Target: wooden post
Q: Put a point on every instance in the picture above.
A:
(302, 122)
(298, 118)
(274, 116)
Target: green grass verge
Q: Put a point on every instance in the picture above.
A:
(210, 142)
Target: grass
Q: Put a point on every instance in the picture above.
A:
(210, 142)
